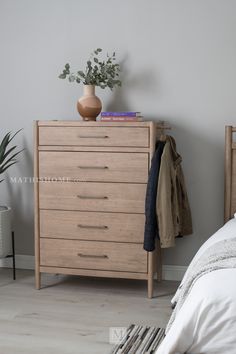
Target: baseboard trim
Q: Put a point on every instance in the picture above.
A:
(170, 272)
(22, 262)
(173, 272)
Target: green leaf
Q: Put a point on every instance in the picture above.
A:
(5, 142)
(7, 160)
(6, 167)
(71, 78)
(3, 145)
(97, 72)
(8, 152)
(81, 73)
(11, 158)
(18, 131)
(62, 76)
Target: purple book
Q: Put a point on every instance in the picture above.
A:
(120, 114)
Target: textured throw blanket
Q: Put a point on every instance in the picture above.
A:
(221, 255)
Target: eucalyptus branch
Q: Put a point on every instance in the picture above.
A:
(102, 73)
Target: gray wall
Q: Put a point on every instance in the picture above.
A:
(178, 59)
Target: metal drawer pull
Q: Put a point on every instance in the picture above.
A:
(102, 227)
(93, 136)
(90, 197)
(93, 167)
(92, 255)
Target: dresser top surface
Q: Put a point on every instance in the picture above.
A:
(80, 123)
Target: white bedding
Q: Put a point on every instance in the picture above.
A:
(206, 323)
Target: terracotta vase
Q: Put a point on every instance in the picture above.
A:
(89, 105)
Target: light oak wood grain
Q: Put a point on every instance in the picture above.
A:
(73, 315)
(228, 173)
(80, 123)
(95, 166)
(93, 255)
(36, 209)
(94, 273)
(93, 149)
(108, 227)
(233, 184)
(106, 197)
(94, 136)
(95, 199)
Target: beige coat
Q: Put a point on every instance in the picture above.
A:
(173, 211)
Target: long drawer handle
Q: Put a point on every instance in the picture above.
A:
(102, 227)
(92, 255)
(90, 197)
(93, 167)
(93, 136)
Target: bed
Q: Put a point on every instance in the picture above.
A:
(206, 322)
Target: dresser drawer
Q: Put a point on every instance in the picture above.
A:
(94, 166)
(94, 136)
(90, 196)
(92, 226)
(93, 255)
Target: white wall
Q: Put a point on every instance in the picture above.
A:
(178, 59)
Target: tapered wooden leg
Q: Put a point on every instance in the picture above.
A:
(159, 262)
(150, 275)
(150, 288)
(37, 279)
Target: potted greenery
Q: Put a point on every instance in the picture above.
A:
(102, 73)
(7, 159)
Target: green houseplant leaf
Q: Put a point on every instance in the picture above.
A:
(8, 155)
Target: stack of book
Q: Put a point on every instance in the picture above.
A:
(121, 117)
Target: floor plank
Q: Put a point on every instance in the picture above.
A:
(73, 315)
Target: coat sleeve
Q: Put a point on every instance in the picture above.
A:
(164, 202)
(151, 229)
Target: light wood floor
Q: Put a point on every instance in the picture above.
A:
(72, 315)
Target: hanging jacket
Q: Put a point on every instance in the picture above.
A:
(172, 206)
(151, 227)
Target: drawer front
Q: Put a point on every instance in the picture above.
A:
(93, 255)
(94, 136)
(95, 166)
(92, 226)
(113, 197)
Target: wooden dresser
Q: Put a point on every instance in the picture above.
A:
(89, 202)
